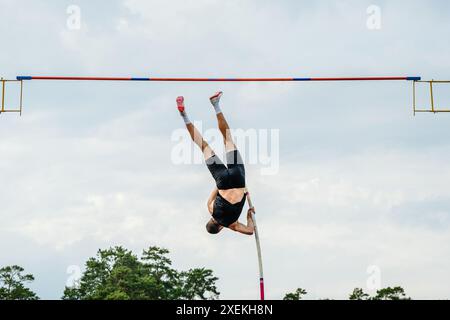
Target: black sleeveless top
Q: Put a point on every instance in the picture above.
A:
(226, 213)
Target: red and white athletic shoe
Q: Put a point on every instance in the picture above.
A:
(180, 104)
(215, 99)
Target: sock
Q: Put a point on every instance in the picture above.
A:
(185, 117)
(216, 106)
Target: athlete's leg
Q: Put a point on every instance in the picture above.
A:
(194, 133)
(222, 123)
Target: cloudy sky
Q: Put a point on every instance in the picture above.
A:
(360, 194)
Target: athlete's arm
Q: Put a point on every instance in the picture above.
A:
(242, 228)
(211, 199)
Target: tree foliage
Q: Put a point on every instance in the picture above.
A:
(396, 293)
(296, 295)
(359, 294)
(118, 274)
(389, 293)
(12, 284)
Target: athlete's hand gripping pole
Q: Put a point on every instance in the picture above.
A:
(258, 248)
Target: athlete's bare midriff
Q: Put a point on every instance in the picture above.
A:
(233, 195)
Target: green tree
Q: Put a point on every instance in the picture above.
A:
(118, 274)
(196, 283)
(396, 293)
(296, 295)
(359, 294)
(159, 269)
(12, 284)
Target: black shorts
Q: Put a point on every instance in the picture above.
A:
(230, 176)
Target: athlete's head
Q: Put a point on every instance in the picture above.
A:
(213, 227)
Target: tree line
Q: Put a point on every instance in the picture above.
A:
(119, 274)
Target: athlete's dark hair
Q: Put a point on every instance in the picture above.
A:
(212, 227)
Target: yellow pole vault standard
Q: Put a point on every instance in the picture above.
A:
(258, 248)
(414, 97)
(3, 107)
(21, 97)
(432, 108)
(431, 95)
(3, 95)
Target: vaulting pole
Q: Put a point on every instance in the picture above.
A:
(160, 79)
(258, 248)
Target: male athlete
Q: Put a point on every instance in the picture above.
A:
(227, 200)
